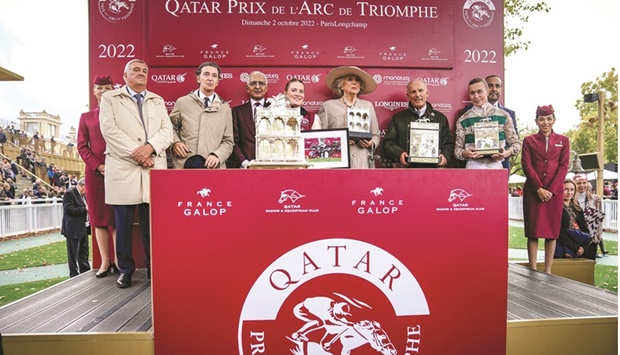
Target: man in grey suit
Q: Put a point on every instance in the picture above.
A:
(75, 228)
(137, 130)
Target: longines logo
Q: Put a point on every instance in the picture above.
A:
(169, 51)
(168, 78)
(214, 52)
(335, 296)
(304, 53)
(478, 13)
(203, 205)
(456, 200)
(116, 10)
(377, 204)
(288, 201)
(391, 105)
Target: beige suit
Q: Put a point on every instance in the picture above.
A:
(127, 182)
(204, 131)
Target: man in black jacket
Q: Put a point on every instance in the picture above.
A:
(75, 228)
(396, 141)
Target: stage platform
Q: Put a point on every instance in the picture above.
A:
(547, 314)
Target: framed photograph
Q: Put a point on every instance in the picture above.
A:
(326, 148)
(486, 137)
(423, 143)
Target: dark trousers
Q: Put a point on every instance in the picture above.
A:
(77, 254)
(124, 215)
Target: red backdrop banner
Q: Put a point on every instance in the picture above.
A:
(260, 261)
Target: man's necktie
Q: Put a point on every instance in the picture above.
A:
(256, 106)
(206, 102)
(139, 100)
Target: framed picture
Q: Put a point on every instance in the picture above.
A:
(326, 148)
(424, 143)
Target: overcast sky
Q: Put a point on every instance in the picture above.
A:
(47, 45)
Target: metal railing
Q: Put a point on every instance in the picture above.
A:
(610, 207)
(28, 216)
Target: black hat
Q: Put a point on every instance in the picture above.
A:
(195, 162)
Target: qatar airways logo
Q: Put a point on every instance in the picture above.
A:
(203, 205)
(433, 81)
(168, 78)
(478, 13)
(377, 204)
(305, 78)
(116, 10)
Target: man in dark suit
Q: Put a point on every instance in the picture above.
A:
(495, 92)
(244, 128)
(75, 228)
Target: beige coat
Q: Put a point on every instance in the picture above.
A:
(127, 182)
(204, 131)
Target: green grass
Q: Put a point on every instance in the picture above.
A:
(517, 240)
(606, 277)
(49, 254)
(10, 293)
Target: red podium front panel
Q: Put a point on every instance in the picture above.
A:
(329, 261)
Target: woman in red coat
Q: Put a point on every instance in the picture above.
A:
(545, 158)
(91, 147)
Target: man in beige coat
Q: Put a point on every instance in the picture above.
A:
(202, 122)
(137, 131)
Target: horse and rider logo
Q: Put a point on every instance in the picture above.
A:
(290, 195)
(326, 324)
(377, 191)
(458, 193)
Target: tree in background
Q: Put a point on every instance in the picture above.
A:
(583, 138)
(516, 15)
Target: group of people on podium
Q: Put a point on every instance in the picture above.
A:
(130, 132)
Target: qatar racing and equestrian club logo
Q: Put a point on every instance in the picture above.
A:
(331, 297)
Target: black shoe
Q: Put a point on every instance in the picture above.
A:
(114, 268)
(124, 280)
(102, 274)
(605, 252)
(148, 273)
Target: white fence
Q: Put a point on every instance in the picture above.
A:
(34, 216)
(610, 207)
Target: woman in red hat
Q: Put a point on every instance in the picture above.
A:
(91, 147)
(545, 158)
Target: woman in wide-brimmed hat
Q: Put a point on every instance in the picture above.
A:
(348, 82)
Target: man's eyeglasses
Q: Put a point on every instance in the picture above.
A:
(259, 83)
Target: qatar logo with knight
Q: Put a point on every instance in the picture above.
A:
(334, 296)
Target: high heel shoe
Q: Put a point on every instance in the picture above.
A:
(115, 269)
(101, 274)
